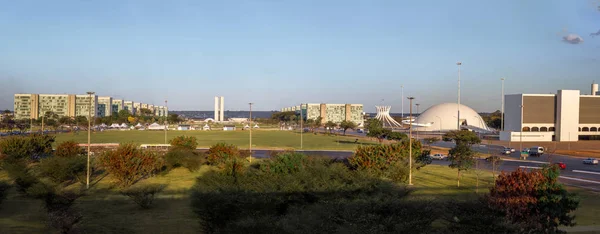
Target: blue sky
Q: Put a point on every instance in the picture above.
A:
(277, 53)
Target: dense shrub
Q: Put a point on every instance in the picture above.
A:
(58, 205)
(534, 200)
(285, 162)
(474, 216)
(380, 157)
(69, 149)
(184, 142)
(129, 164)
(63, 169)
(3, 190)
(222, 152)
(27, 148)
(323, 197)
(20, 173)
(143, 195)
(178, 157)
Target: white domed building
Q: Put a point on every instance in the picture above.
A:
(442, 117)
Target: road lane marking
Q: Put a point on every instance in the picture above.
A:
(577, 179)
(530, 167)
(587, 172)
(524, 161)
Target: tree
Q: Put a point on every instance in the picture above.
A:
(173, 119)
(375, 129)
(534, 200)
(461, 156)
(146, 112)
(65, 120)
(430, 141)
(81, 121)
(330, 125)
(347, 125)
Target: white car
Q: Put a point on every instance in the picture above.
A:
(438, 156)
(592, 161)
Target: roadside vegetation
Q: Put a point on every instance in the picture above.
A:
(133, 190)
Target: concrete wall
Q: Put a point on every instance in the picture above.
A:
(567, 119)
(526, 136)
(512, 112)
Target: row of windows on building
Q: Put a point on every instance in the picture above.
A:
(551, 129)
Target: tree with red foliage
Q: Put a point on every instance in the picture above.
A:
(534, 200)
(129, 164)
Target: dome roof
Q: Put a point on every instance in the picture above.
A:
(442, 117)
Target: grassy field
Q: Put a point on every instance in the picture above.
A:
(104, 210)
(264, 139)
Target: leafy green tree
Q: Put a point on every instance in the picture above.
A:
(347, 125)
(330, 125)
(174, 119)
(81, 121)
(375, 129)
(461, 156)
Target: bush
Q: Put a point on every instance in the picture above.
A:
(58, 206)
(222, 152)
(129, 164)
(31, 147)
(19, 172)
(178, 157)
(380, 157)
(69, 149)
(3, 190)
(143, 195)
(322, 197)
(184, 142)
(63, 169)
(285, 162)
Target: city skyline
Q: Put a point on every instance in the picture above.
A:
(278, 53)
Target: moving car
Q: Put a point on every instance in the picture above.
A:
(536, 151)
(591, 161)
(438, 156)
(561, 165)
(506, 151)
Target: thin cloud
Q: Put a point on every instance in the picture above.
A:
(573, 39)
(595, 34)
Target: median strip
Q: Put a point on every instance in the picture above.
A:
(530, 167)
(524, 161)
(587, 172)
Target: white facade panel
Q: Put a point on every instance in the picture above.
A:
(567, 115)
(512, 112)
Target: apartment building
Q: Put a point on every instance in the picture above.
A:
(27, 106)
(330, 112)
(104, 106)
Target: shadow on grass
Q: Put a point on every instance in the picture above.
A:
(355, 142)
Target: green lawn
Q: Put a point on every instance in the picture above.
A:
(267, 139)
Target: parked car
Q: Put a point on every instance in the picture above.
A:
(591, 161)
(506, 151)
(360, 130)
(438, 156)
(536, 151)
(512, 149)
(526, 150)
(561, 165)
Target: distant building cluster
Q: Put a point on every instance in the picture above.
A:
(330, 112)
(33, 106)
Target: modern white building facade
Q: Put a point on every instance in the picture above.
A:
(219, 109)
(564, 116)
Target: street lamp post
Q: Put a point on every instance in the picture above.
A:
(440, 122)
(410, 143)
(166, 124)
(458, 118)
(250, 147)
(417, 118)
(502, 108)
(87, 181)
(301, 126)
(402, 94)
(521, 132)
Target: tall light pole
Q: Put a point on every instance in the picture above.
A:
(402, 93)
(440, 122)
(417, 118)
(521, 135)
(166, 124)
(87, 181)
(458, 118)
(410, 144)
(250, 148)
(502, 108)
(301, 127)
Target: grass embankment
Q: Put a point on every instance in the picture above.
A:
(260, 139)
(105, 210)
